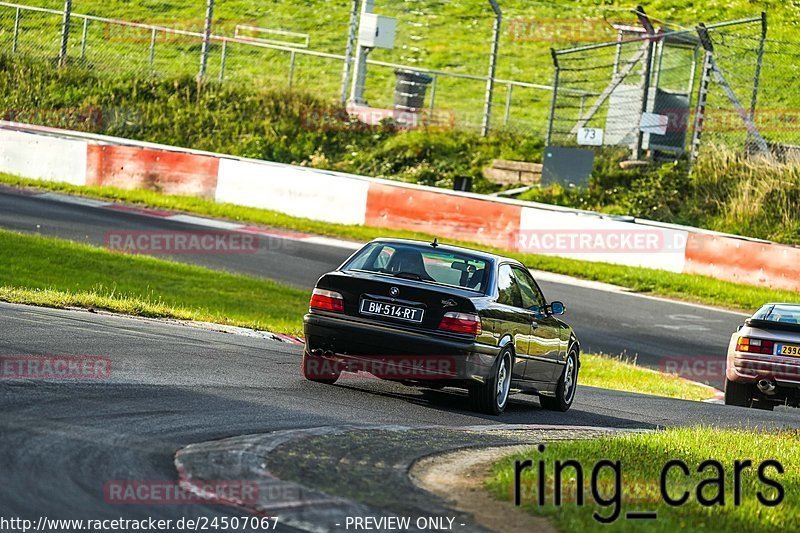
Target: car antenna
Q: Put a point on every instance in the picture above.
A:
(435, 242)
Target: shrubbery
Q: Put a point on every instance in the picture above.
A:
(289, 127)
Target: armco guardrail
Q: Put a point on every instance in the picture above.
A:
(86, 159)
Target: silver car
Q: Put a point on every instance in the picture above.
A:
(763, 367)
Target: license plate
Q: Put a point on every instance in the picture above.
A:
(788, 349)
(400, 312)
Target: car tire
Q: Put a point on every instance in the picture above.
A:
(491, 397)
(738, 394)
(319, 370)
(565, 390)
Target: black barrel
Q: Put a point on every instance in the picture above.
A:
(409, 91)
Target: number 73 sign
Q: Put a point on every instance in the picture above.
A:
(590, 136)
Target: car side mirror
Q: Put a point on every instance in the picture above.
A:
(557, 308)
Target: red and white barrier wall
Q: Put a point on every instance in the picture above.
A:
(131, 167)
(84, 159)
(296, 191)
(43, 157)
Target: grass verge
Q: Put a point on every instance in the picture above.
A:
(642, 457)
(618, 374)
(691, 288)
(57, 273)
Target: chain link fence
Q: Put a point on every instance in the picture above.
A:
(661, 92)
(600, 87)
(763, 75)
(286, 45)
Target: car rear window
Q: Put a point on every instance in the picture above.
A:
(423, 263)
(787, 314)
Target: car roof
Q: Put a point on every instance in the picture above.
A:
(493, 258)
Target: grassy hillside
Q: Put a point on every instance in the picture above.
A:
(449, 36)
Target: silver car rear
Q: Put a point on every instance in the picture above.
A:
(763, 366)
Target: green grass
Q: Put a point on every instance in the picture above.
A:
(57, 273)
(692, 288)
(619, 374)
(642, 456)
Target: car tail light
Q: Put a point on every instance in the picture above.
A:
(750, 345)
(327, 301)
(461, 323)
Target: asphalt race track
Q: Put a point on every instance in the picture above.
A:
(173, 385)
(657, 332)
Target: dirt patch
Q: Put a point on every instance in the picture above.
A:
(458, 477)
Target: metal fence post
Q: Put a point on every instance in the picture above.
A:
(16, 33)
(206, 39)
(646, 73)
(62, 53)
(487, 109)
(700, 109)
(509, 91)
(358, 84)
(348, 55)
(552, 113)
(223, 59)
(433, 92)
(759, 61)
(617, 52)
(291, 71)
(658, 62)
(152, 47)
(83, 37)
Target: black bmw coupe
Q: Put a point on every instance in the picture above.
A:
(432, 315)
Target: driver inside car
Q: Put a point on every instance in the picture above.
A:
(409, 262)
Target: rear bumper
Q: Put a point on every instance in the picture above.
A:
(750, 368)
(395, 353)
